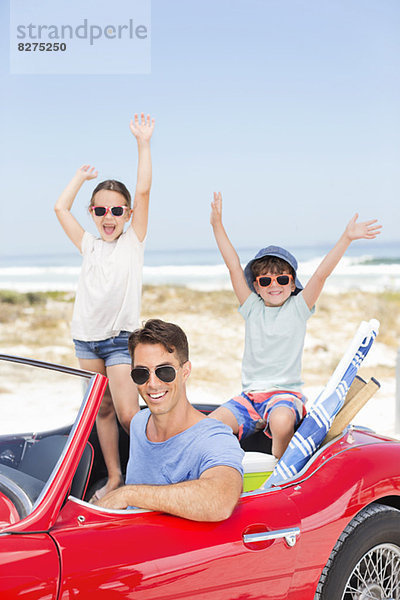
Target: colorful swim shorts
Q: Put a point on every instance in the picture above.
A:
(253, 409)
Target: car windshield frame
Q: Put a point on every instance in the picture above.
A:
(17, 490)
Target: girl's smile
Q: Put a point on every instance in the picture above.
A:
(109, 226)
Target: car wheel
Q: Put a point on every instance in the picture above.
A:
(365, 562)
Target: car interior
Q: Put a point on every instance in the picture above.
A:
(27, 461)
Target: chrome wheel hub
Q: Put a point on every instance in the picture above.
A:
(376, 576)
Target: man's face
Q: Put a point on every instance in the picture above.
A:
(161, 397)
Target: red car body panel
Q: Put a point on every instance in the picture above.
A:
(328, 500)
(29, 567)
(8, 512)
(158, 556)
(161, 556)
(68, 549)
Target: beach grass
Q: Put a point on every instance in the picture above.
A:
(37, 325)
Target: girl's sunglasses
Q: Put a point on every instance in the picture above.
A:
(265, 281)
(165, 373)
(116, 211)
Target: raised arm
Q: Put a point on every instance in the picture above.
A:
(64, 204)
(212, 497)
(227, 250)
(368, 230)
(142, 129)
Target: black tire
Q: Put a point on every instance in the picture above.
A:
(365, 562)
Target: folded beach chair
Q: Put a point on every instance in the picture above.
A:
(358, 395)
(317, 422)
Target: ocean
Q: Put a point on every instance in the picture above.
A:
(366, 266)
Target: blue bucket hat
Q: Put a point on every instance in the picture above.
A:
(279, 253)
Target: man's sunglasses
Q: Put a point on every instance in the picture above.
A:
(165, 373)
(265, 281)
(116, 211)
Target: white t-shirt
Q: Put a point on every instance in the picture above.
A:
(274, 343)
(109, 287)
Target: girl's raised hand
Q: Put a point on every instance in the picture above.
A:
(87, 172)
(367, 230)
(216, 209)
(142, 128)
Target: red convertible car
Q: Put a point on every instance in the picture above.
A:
(331, 532)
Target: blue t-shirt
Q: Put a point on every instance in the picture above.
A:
(209, 443)
(274, 343)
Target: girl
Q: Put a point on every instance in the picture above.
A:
(108, 297)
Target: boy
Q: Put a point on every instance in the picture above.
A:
(276, 309)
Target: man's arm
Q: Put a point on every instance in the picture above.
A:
(64, 204)
(142, 130)
(354, 231)
(212, 497)
(228, 252)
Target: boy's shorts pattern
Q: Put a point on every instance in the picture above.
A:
(252, 410)
(114, 351)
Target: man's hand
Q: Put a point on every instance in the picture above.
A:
(115, 500)
(142, 129)
(366, 230)
(212, 497)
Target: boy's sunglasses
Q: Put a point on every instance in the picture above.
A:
(165, 373)
(265, 281)
(116, 211)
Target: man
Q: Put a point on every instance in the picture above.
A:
(181, 462)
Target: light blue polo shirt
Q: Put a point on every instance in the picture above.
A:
(209, 443)
(274, 342)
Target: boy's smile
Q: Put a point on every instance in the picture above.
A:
(275, 294)
(110, 227)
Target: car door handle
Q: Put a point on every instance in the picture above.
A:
(290, 536)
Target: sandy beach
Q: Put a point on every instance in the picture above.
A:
(37, 325)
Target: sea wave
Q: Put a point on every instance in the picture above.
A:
(38, 271)
(363, 273)
(385, 260)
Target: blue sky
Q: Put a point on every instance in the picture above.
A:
(289, 107)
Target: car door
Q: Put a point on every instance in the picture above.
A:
(29, 567)
(154, 556)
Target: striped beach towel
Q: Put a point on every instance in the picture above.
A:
(318, 420)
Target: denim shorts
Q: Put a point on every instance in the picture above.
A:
(114, 351)
(253, 409)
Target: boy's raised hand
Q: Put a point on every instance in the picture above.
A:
(142, 128)
(86, 172)
(227, 250)
(216, 209)
(366, 230)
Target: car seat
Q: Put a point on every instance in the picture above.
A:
(42, 456)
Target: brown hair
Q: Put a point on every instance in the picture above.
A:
(271, 264)
(169, 335)
(114, 186)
